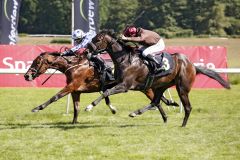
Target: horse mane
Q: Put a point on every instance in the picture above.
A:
(55, 53)
(115, 35)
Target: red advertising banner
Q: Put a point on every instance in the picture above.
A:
(20, 58)
(209, 56)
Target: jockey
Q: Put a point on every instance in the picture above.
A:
(147, 38)
(81, 40)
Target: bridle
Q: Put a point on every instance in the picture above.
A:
(109, 45)
(104, 41)
(35, 72)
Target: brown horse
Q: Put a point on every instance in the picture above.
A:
(81, 77)
(132, 74)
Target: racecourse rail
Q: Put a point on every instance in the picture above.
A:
(49, 71)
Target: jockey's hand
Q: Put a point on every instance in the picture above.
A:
(64, 53)
(89, 55)
(123, 37)
(67, 53)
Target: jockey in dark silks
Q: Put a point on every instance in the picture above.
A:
(149, 39)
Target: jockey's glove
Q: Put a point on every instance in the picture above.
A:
(89, 55)
(67, 52)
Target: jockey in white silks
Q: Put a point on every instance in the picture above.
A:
(81, 40)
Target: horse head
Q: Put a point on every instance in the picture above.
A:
(40, 64)
(106, 40)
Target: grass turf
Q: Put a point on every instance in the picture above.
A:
(212, 131)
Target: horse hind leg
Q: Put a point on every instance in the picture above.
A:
(76, 101)
(108, 102)
(183, 94)
(155, 102)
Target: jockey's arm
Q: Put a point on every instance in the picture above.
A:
(87, 39)
(83, 44)
(134, 39)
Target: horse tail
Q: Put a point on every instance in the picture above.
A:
(212, 74)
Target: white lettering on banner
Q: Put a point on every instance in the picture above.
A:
(92, 26)
(12, 35)
(8, 61)
(208, 65)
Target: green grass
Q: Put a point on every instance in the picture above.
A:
(212, 131)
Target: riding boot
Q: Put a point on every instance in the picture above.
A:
(156, 64)
(152, 58)
(99, 61)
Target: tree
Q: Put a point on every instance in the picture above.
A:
(217, 21)
(27, 16)
(120, 14)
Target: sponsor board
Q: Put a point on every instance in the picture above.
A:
(20, 58)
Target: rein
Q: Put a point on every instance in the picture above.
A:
(51, 74)
(49, 77)
(75, 66)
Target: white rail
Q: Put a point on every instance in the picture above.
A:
(227, 70)
(22, 71)
(49, 71)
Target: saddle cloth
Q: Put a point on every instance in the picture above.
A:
(166, 61)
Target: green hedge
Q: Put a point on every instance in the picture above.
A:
(61, 41)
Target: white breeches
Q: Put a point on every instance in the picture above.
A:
(156, 48)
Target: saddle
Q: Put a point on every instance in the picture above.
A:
(166, 65)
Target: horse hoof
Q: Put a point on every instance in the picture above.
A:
(74, 122)
(165, 120)
(113, 111)
(172, 103)
(132, 115)
(89, 108)
(35, 110)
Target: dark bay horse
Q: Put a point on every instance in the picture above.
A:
(81, 77)
(132, 73)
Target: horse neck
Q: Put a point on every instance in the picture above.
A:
(63, 65)
(120, 56)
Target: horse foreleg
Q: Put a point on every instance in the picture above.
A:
(150, 94)
(76, 101)
(164, 116)
(113, 109)
(140, 111)
(57, 96)
(120, 88)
